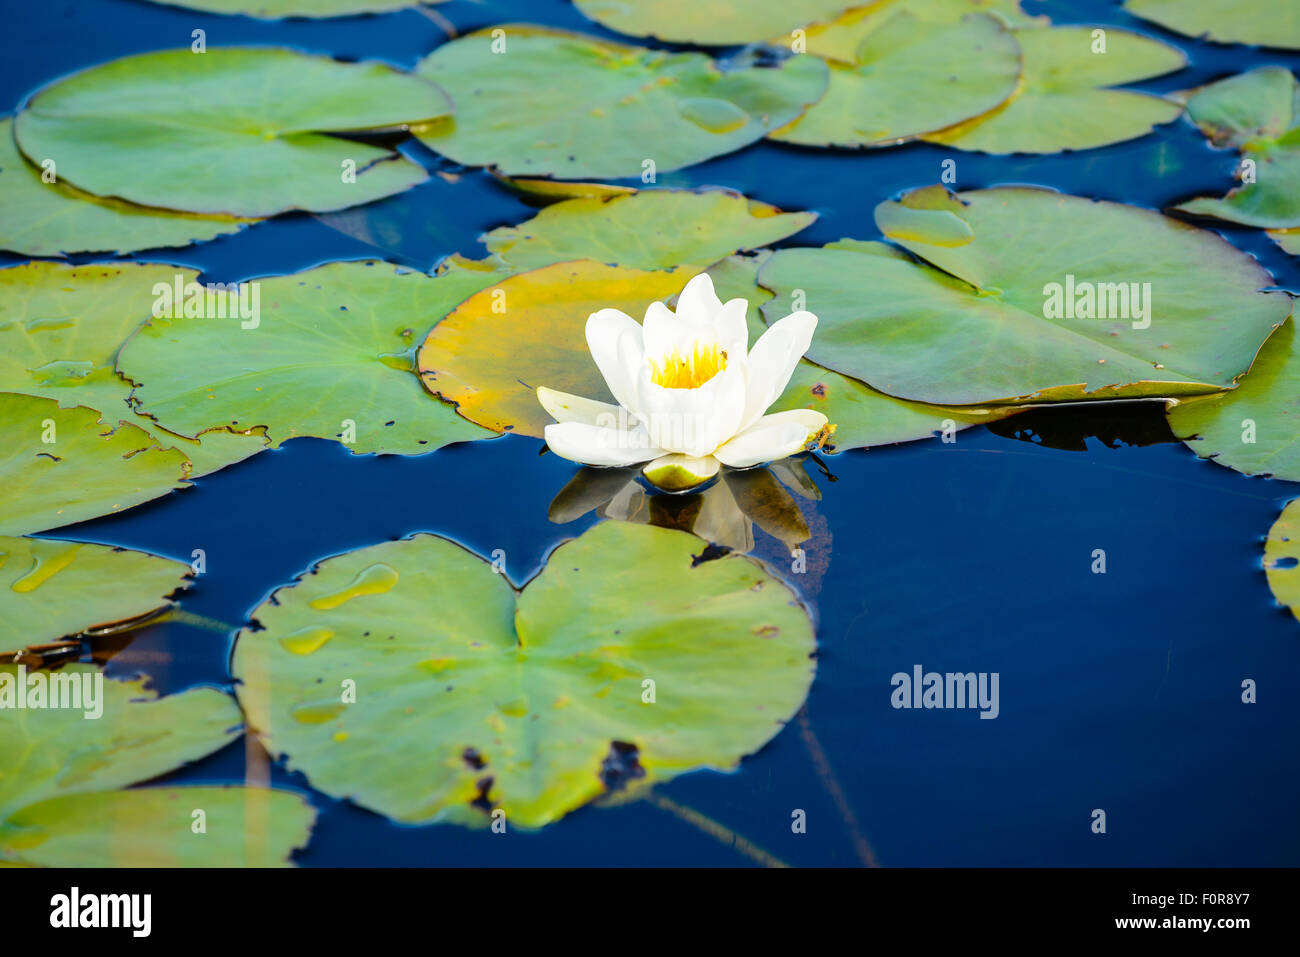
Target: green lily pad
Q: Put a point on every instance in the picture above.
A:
(1282, 557)
(90, 468)
(155, 827)
(907, 75)
(982, 330)
(333, 345)
(1255, 428)
(1288, 239)
(279, 9)
(717, 23)
(653, 229)
(470, 698)
(603, 110)
(60, 329)
(51, 589)
(492, 352)
(1063, 102)
(1259, 113)
(1269, 23)
(61, 771)
(235, 130)
(862, 416)
(51, 219)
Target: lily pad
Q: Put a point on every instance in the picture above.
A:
(61, 771)
(279, 9)
(907, 75)
(331, 356)
(652, 229)
(470, 697)
(1259, 113)
(51, 589)
(1269, 23)
(492, 352)
(572, 106)
(1063, 102)
(60, 329)
(235, 130)
(717, 23)
(1255, 428)
(89, 468)
(1282, 557)
(51, 219)
(862, 416)
(1288, 239)
(983, 330)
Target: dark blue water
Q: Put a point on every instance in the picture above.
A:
(1118, 691)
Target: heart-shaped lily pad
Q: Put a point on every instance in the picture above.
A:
(235, 130)
(717, 23)
(1255, 428)
(60, 330)
(51, 589)
(61, 771)
(331, 356)
(1259, 113)
(1063, 102)
(39, 218)
(1269, 23)
(493, 351)
(539, 102)
(1282, 557)
(1114, 301)
(59, 466)
(907, 74)
(862, 416)
(410, 678)
(652, 229)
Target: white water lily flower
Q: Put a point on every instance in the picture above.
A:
(691, 394)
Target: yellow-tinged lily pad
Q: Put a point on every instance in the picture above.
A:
(241, 131)
(897, 73)
(651, 229)
(412, 679)
(60, 330)
(1064, 103)
(539, 102)
(1255, 428)
(59, 466)
(280, 9)
(1288, 239)
(53, 589)
(62, 768)
(1270, 23)
(716, 23)
(1114, 301)
(862, 416)
(1259, 114)
(40, 218)
(492, 352)
(331, 355)
(1282, 557)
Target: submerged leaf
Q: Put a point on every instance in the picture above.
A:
(534, 704)
(1282, 557)
(253, 141)
(330, 356)
(571, 106)
(53, 589)
(59, 466)
(1115, 301)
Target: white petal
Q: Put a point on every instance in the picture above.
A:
(676, 472)
(772, 361)
(614, 339)
(698, 302)
(563, 407)
(593, 445)
(772, 437)
(693, 421)
(730, 328)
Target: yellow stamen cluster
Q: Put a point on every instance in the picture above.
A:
(677, 371)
